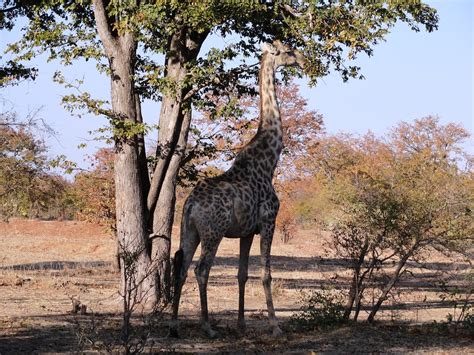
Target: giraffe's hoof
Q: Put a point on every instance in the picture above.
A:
(277, 332)
(173, 333)
(210, 333)
(241, 326)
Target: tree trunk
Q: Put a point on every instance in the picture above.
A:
(354, 290)
(142, 159)
(116, 262)
(352, 295)
(130, 208)
(361, 287)
(358, 301)
(390, 283)
(175, 116)
(164, 215)
(132, 236)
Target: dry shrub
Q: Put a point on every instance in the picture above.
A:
(286, 223)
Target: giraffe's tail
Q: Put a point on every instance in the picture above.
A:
(177, 268)
(187, 247)
(179, 255)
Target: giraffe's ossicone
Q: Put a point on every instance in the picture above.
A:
(239, 203)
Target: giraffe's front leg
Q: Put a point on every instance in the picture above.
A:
(245, 245)
(202, 270)
(266, 239)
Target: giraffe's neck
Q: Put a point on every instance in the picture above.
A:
(268, 142)
(269, 110)
(261, 155)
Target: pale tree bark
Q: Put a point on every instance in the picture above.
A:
(142, 159)
(175, 117)
(164, 215)
(132, 235)
(143, 206)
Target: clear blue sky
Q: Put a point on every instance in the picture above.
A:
(411, 75)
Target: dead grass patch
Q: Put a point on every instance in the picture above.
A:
(43, 265)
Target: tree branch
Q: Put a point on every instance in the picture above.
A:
(162, 166)
(103, 28)
(288, 10)
(216, 80)
(16, 7)
(192, 92)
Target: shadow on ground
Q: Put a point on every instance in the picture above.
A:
(359, 338)
(56, 265)
(426, 280)
(61, 333)
(279, 262)
(294, 263)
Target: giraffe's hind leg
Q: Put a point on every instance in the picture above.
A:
(245, 245)
(265, 249)
(183, 258)
(209, 246)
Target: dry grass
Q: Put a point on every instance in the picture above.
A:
(43, 265)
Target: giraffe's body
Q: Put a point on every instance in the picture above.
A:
(239, 203)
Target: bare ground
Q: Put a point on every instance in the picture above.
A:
(45, 264)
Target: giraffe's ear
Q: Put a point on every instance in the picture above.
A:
(270, 48)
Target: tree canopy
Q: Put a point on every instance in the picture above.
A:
(331, 34)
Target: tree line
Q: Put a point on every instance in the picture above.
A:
(32, 187)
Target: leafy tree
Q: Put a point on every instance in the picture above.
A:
(12, 72)
(125, 36)
(27, 186)
(396, 198)
(94, 190)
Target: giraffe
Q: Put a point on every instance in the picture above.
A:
(239, 203)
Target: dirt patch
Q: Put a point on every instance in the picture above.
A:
(46, 264)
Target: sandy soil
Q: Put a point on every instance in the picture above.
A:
(46, 264)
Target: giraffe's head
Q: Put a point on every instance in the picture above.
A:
(283, 55)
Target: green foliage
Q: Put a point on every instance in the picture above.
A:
(319, 309)
(331, 35)
(464, 322)
(63, 163)
(119, 127)
(12, 73)
(27, 186)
